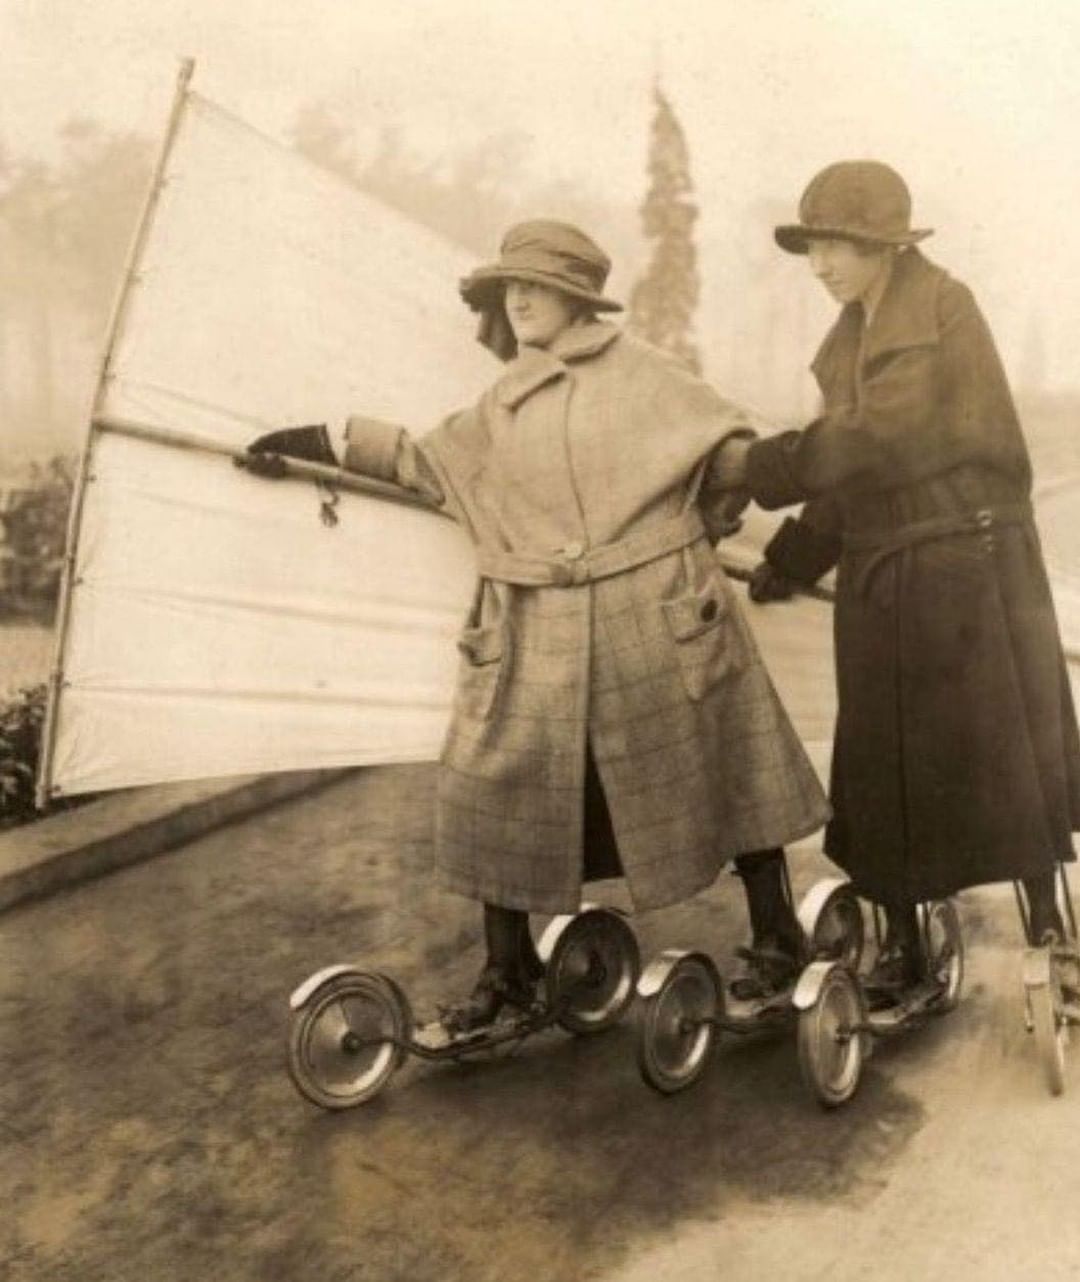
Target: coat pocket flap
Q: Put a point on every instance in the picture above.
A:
(481, 645)
(696, 611)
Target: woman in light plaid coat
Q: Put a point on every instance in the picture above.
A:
(612, 714)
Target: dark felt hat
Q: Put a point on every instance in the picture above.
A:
(861, 200)
(548, 253)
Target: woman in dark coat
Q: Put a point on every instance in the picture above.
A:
(956, 759)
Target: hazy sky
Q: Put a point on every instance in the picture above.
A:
(977, 102)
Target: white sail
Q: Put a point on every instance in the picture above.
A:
(214, 624)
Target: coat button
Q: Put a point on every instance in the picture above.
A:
(573, 550)
(709, 611)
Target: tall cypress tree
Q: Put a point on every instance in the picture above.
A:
(662, 302)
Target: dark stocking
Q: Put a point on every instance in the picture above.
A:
(510, 971)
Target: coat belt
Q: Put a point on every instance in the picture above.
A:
(884, 544)
(574, 564)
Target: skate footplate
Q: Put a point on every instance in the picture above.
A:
(436, 1038)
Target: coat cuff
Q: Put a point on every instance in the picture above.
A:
(371, 447)
(770, 471)
(799, 552)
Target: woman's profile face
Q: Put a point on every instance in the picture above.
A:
(537, 313)
(851, 273)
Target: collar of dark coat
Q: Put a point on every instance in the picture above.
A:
(535, 366)
(907, 316)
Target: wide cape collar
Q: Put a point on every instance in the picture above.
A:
(535, 366)
(907, 316)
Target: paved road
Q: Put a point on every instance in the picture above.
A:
(150, 1132)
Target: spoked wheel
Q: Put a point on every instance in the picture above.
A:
(677, 1025)
(1042, 990)
(945, 952)
(832, 920)
(348, 1039)
(592, 970)
(831, 1040)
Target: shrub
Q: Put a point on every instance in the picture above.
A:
(33, 522)
(22, 720)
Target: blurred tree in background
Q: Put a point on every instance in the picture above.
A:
(662, 302)
(64, 230)
(471, 196)
(33, 526)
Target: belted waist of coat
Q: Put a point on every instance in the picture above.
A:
(884, 544)
(575, 564)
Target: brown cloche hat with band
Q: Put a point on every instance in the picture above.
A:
(549, 253)
(861, 200)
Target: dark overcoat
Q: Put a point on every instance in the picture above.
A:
(603, 620)
(956, 758)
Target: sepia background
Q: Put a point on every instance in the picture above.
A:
(151, 1131)
(468, 114)
(465, 114)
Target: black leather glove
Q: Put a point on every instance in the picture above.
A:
(272, 465)
(767, 584)
(264, 455)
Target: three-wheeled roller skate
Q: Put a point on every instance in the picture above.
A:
(1051, 977)
(685, 1005)
(351, 1029)
(842, 1010)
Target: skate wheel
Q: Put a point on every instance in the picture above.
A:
(348, 1039)
(592, 968)
(1051, 1029)
(945, 952)
(832, 921)
(676, 1028)
(831, 1040)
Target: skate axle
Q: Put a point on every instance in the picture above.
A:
(741, 1025)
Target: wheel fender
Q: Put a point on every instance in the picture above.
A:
(549, 937)
(808, 989)
(545, 945)
(304, 992)
(655, 974)
(814, 901)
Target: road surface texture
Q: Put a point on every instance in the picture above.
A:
(150, 1132)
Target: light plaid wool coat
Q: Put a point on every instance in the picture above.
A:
(597, 441)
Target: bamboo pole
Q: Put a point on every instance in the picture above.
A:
(45, 787)
(293, 466)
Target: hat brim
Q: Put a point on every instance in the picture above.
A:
(796, 238)
(483, 289)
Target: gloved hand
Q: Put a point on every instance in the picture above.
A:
(272, 465)
(264, 454)
(767, 584)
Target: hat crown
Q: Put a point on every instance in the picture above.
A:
(545, 252)
(556, 246)
(863, 197)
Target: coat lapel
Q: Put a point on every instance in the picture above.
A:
(534, 367)
(906, 317)
(907, 314)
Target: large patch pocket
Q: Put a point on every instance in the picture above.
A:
(707, 640)
(480, 675)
